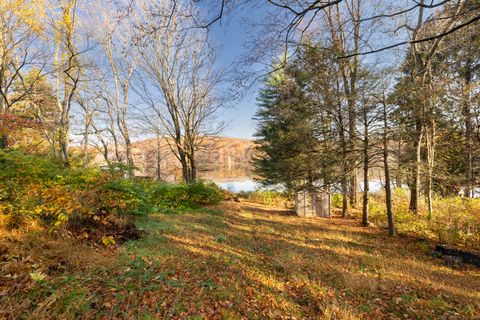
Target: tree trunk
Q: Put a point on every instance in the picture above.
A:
(128, 147)
(352, 99)
(365, 172)
(159, 159)
(4, 136)
(468, 149)
(118, 157)
(54, 143)
(398, 179)
(122, 123)
(185, 166)
(366, 189)
(193, 167)
(388, 190)
(345, 166)
(86, 140)
(430, 137)
(64, 134)
(352, 145)
(415, 187)
(344, 197)
(3, 141)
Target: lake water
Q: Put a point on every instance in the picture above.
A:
(240, 178)
(238, 185)
(248, 184)
(235, 178)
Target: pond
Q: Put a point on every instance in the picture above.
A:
(238, 185)
(234, 178)
(240, 178)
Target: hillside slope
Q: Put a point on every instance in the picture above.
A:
(215, 157)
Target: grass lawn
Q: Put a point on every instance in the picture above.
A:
(245, 261)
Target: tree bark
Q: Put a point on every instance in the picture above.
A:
(159, 159)
(128, 149)
(415, 187)
(64, 134)
(349, 73)
(352, 99)
(365, 172)
(344, 197)
(344, 177)
(388, 190)
(3, 141)
(467, 115)
(430, 162)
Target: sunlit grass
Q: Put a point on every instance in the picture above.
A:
(258, 262)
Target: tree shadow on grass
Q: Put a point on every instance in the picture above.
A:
(250, 263)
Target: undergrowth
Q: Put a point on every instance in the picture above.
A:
(455, 220)
(268, 197)
(248, 262)
(33, 187)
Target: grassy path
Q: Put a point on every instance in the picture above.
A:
(247, 261)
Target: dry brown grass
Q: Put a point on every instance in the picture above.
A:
(318, 265)
(252, 261)
(31, 250)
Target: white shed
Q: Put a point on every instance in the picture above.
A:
(313, 203)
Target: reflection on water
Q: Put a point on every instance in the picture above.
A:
(240, 178)
(373, 186)
(225, 173)
(234, 178)
(238, 185)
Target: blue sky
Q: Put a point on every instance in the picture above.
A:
(232, 36)
(232, 33)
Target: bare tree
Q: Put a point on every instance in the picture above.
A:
(301, 16)
(181, 85)
(423, 53)
(385, 108)
(386, 165)
(21, 50)
(116, 41)
(337, 24)
(369, 118)
(67, 70)
(100, 121)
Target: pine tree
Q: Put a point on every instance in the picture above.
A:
(286, 141)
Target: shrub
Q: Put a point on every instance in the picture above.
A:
(133, 195)
(32, 186)
(455, 220)
(269, 197)
(336, 200)
(185, 196)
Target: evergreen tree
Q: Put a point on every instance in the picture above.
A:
(285, 137)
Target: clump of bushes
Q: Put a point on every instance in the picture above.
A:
(185, 196)
(455, 220)
(34, 187)
(268, 197)
(336, 200)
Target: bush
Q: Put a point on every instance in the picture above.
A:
(337, 200)
(37, 187)
(185, 196)
(268, 197)
(455, 221)
(133, 195)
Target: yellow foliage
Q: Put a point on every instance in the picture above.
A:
(29, 13)
(108, 241)
(455, 220)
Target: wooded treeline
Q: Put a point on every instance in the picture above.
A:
(332, 109)
(97, 74)
(329, 115)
